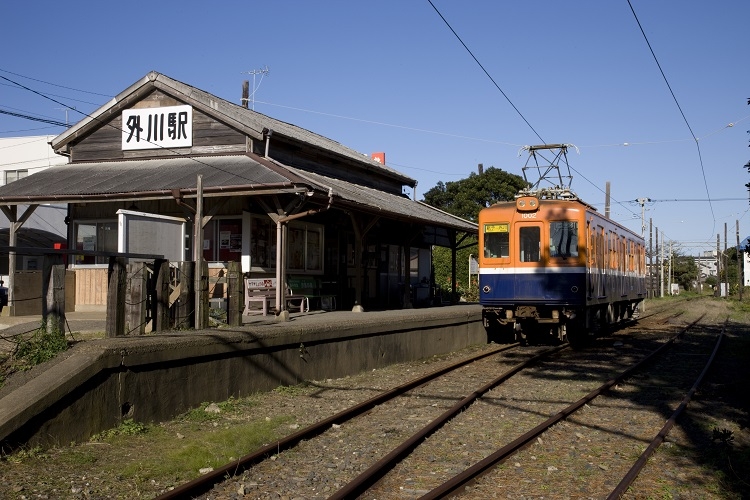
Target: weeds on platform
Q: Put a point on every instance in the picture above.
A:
(31, 349)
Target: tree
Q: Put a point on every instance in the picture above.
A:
(684, 271)
(465, 198)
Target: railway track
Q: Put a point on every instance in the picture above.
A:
(385, 468)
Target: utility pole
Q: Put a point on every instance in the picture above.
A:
(740, 260)
(263, 72)
(642, 202)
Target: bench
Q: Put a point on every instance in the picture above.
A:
(304, 293)
(261, 290)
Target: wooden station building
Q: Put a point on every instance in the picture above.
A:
(163, 155)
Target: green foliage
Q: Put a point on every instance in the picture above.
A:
(684, 271)
(182, 460)
(40, 347)
(441, 261)
(466, 197)
(127, 427)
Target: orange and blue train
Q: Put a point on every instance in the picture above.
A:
(552, 266)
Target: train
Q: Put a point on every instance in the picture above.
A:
(551, 266)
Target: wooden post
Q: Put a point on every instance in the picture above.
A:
(53, 291)
(235, 290)
(201, 310)
(202, 296)
(185, 316)
(160, 304)
(116, 297)
(135, 304)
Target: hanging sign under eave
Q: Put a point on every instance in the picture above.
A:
(152, 128)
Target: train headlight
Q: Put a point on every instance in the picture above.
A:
(486, 289)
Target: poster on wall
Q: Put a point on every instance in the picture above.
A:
(224, 239)
(235, 243)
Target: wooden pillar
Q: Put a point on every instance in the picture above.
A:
(160, 305)
(201, 296)
(53, 291)
(453, 266)
(116, 281)
(135, 303)
(235, 291)
(185, 312)
(407, 274)
(201, 310)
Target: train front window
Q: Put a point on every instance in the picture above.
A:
(530, 243)
(496, 240)
(563, 239)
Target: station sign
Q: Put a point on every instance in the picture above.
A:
(154, 128)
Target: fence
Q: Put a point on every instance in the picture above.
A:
(140, 290)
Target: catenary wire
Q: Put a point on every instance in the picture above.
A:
(485, 71)
(697, 145)
(177, 153)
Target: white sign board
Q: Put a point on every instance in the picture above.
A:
(155, 234)
(152, 128)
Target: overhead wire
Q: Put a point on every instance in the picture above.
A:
(674, 97)
(55, 84)
(507, 98)
(485, 71)
(105, 123)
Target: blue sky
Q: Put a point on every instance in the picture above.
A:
(390, 76)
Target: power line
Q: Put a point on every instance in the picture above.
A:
(485, 71)
(55, 84)
(34, 118)
(108, 124)
(700, 157)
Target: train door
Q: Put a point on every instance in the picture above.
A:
(529, 277)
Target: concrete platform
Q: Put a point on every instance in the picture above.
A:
(98, 383)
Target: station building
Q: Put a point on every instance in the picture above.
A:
(166, 168)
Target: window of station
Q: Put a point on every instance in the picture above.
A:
(563, 239)
(95, 237)
(222, 240)
(305, 248)
(496, 240)
(529, 239)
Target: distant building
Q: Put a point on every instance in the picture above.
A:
(21, 157)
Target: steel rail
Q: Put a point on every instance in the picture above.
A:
(205, 482)
(372, 475)
(659, 438)
(462, 479)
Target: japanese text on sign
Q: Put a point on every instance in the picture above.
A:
(151, 128)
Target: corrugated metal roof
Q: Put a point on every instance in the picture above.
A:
(77, 181)
(375, 201)
(247, 120)
(146, 178)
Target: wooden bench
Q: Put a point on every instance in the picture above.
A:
(261, 290)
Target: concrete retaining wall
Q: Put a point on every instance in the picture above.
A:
(154, 378)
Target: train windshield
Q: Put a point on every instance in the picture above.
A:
(496, 240)
(563, 239)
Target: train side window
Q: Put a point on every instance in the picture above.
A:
(530, 243)
(496, 241)
(563, 239)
